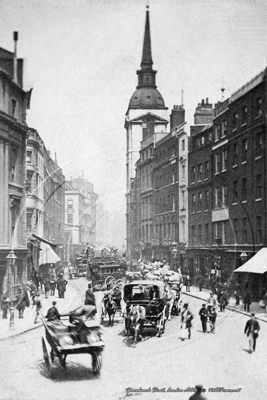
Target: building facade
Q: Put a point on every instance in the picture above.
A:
(80, 215)
(14, 102)
(54, 205)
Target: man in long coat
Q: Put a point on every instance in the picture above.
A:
(61, 286)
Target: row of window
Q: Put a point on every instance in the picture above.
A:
(165, 204)
(221, 193)
(201, 234)
(163, 232)
(165, 179)
(198, 173)
(171, 151)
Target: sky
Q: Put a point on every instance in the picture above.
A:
(81, 58)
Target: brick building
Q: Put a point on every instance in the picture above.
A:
(239, 179)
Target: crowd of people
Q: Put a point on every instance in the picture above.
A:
(30, 295)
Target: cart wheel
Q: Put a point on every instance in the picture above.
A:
(110, 282)
(96, 363)
(47, 357)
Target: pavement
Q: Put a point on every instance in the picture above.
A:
(259, 311)
(71, 301)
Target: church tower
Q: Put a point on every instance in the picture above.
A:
(146, 114)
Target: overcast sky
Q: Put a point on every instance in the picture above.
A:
(81, 58)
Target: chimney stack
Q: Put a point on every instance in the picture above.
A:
(15, 67)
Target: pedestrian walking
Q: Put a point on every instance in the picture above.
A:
(53, 285)
(198, 393)
(186, 320)
(200, 281)
(252, 331)
(203, 313)
(52, 313)
(37, 305)
(187, 283)
(212, 315)
(247, 299)
(47, 286)
(4, 305)
(237, 294)
(211, 302)
(223, 301)
(22, 302)
(32, 289)
(61, 286)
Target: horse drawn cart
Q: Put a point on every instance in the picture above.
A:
(145, 307)
(61, 339)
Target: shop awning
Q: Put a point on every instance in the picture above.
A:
(47, 254)
(257, 264)
(44, 240)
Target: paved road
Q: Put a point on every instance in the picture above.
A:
(219, 360)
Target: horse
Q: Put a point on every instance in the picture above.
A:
(110, 309)
(170, 296)
(137, 315)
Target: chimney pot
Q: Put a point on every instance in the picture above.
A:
(15, 36)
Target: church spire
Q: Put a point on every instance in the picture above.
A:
(146, 75)
(147, 62)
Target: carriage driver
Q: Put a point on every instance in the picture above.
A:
(117, 296)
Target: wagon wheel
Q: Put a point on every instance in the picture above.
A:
(110, 282)
(96, 362)
(47, 357)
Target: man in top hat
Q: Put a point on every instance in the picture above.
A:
(61, 286)
(198, 394)
(89, 296)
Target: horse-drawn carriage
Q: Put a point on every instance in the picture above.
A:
(61, 338)
(146, 307)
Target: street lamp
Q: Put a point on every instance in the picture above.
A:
(11, 258)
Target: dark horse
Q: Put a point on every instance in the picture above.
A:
(110, 308)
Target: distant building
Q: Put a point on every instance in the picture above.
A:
(14, 102)
(80, 215)
(45, 219)
(54, 204)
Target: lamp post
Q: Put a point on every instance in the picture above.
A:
(243, 257)
(11, 258)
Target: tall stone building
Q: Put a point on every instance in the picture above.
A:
(14, 102)
(146, 122)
